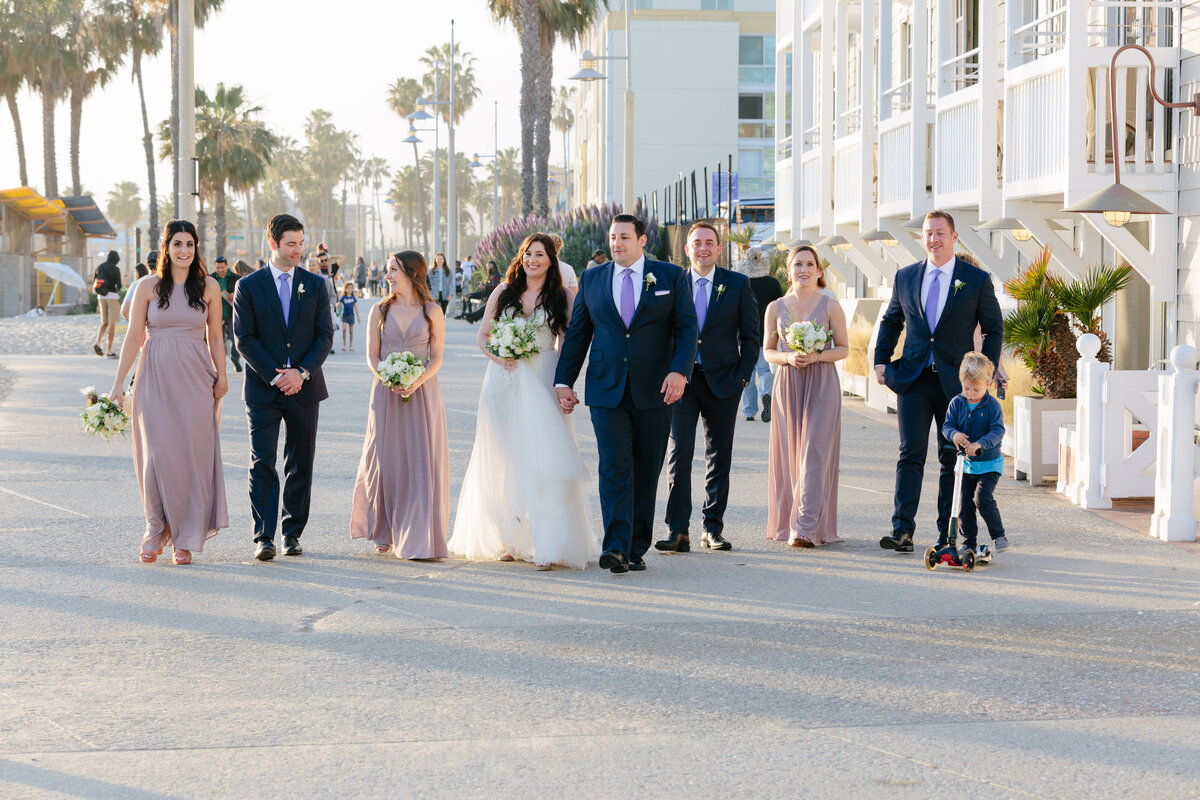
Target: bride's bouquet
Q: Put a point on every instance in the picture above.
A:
(101, 416)
(807, 337)
(401, 370)
(514, 336)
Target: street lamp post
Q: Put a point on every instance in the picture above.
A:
(437, 169)
(588, 72)
(185, 159)
(495, 157)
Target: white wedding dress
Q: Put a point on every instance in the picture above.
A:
(523, 492)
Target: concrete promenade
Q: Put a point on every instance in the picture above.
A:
(1069, 668)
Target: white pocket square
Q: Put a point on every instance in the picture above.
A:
(661, 292)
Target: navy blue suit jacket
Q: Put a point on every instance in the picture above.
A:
(732, 334)
(661, 338)
(266, 342)
(973, 303)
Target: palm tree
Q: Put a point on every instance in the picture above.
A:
(141, 25)
(99, 51)
(402, 99)
(14, 67)
(508, 173)
(50, 32)
(465, 90)
(564, 118)
(375, 172)
(124, 208)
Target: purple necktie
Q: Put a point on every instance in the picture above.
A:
(285, 296)
(627, 306)
(701, 308)
(931, 304)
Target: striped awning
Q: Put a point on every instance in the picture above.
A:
(50, 216)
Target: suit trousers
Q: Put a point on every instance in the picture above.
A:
(298, 452)
(631, 444)
(720, 419)
(924, 403)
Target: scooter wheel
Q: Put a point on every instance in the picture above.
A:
(968, 562)
(931, 559)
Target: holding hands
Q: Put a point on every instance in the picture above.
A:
(672, 387)
(567, 399)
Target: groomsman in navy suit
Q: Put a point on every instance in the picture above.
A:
(940, 301)
(730, 335)
(634, 320)
(284, 332)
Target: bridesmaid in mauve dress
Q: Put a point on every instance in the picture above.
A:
(402, 494)
(177, 391)
(806, 406)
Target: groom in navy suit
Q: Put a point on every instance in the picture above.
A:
(284, 332)
(634, 320)
(940, 301)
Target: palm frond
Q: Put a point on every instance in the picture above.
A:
(1084, 298)
(1027, 329)
(1030, 279)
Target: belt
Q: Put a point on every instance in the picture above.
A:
(697, 368)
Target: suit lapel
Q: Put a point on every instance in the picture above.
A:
(950, 294)
(297, 282)
(915, 289)
(606, 283)
(647, 289)
(273, 300)
(714, 296)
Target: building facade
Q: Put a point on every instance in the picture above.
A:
(998, 113)
(703, 87)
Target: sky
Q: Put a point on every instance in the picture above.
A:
(292, 57)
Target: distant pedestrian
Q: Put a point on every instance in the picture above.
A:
(569, 279)
(152, 260)
(766, 291)
(360, 274)
(598, 257)
(374, 278)
(107, 286)
(441, 285)
(227, 280)
(261, 263)
(348, 306)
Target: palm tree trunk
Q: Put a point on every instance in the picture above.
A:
(545, 109)
(49, 165)
(201, 220)
(219, 215)
(528, 26)
(148, 145)
(11, 98)
(76, 121)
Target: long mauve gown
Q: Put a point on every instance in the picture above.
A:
(805, 447)
(402, 494)
(176, 429)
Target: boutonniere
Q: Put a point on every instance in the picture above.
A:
(300, 289)
(720, 291)
(958, 285)
(649, 280)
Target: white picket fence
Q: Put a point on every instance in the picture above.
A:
(1135, 436)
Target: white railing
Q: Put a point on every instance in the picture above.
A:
(1150, 23)
(1148, 147)
(850, 120)
(810, 189)
(962, 71)
(812, 138)
(957, 153)
(847, 178)
(895, 165)
(1040, 37)
(1176, 495)
(1036, 127)
(784, 148)
(897, 99)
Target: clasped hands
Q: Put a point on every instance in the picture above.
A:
(289, 381)
(802, 360)
(964, 443)
(672, 389)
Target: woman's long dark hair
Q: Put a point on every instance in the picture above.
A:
(194, 285)
(553, 298)
(414, 266)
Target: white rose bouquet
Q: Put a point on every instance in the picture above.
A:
(101, 416)
(807, 337)
(514, 336)
(401, 370)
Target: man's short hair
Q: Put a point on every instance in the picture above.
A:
(639, 227)
(707, 225)
(937, 214)
(220, 260)
(281, 224)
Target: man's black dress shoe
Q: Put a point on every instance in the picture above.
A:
(900, 542)
(675, 543)
(637, 564)
(265, 550)
(716, 541)
(291, 546)
(614, 562)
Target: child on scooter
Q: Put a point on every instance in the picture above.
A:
(975, 424)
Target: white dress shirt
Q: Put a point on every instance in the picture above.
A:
(708, 287)
(276, 272)
(638, 268)
(947, 271)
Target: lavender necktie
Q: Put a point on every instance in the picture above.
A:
(285, 296)
(627, 306)
(931, 304)
(701, 307)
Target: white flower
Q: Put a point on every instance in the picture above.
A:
(300, 289)
(650, 280)
(958, 285)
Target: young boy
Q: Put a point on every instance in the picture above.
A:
(975, 424)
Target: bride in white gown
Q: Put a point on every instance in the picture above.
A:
(522, 497)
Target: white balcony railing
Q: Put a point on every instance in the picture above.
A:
(956, 168)
(810, 189)
(1148, 147)
(847, 179)
(1041, 36)
(783, 149)
(1150, 23)
(1036, 146)
(897, 99)
(850, 120)
(895, 165)
(961, 72)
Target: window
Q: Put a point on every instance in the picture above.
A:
(750, 106)
(716, 5)
(750, 50)
(756, 59)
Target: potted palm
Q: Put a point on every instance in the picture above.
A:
(1051, 315)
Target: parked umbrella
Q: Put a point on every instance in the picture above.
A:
(59, 273)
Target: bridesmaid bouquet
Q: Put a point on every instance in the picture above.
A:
(807, 337)
(401, 370)
(514, 336)
(101, 416)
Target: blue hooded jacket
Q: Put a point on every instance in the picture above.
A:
(983, 424)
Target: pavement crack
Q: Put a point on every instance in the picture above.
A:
(308, 623)
(33, 712)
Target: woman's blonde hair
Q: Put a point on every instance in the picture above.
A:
(976, 368)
